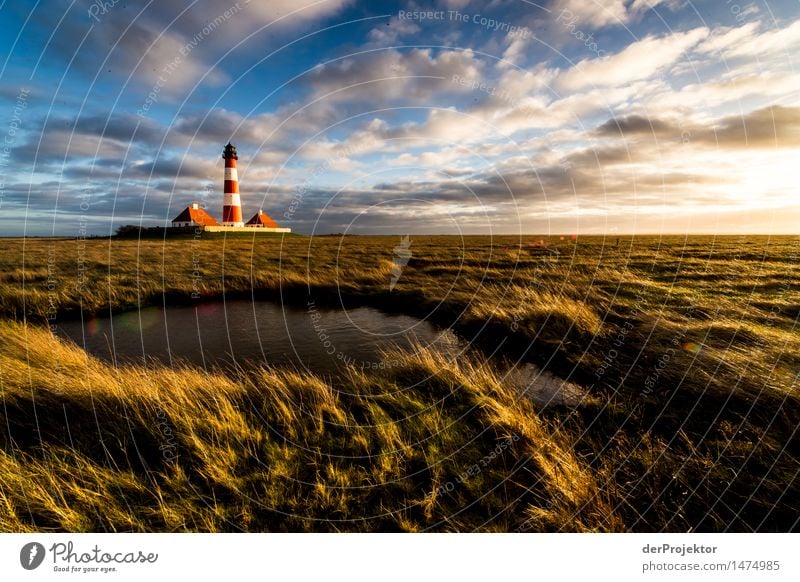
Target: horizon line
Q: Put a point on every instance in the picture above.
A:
(559, 234)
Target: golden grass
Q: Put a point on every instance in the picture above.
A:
(688, 346)
(135, 449)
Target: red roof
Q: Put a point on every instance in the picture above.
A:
(197, 215)
(261, 218)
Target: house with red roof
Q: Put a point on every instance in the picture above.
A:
(193, 215)
(261, 220)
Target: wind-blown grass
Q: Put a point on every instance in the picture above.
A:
(689, 348)
(92, 447)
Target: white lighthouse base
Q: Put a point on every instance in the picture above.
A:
(249, 229)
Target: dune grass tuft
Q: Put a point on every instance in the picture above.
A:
(94, 448)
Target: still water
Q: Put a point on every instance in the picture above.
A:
(247, 333)
(322, 341)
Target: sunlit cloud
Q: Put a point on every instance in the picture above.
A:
(662, 121)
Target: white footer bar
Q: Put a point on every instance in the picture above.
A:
(389, 557)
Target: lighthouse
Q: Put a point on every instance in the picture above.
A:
(232, 204)
(195, 217)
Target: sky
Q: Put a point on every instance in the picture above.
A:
(448, 116)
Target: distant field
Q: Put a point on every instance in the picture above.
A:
(689, 347)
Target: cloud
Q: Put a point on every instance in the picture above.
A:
(639, 60)
(454, 4)
(139, 44)
(599, 13)
(767, 86)
(516, 51)
(634, 125)
(219, 125)
(388, 34)
(59, 147)
(768, 127)
(747, 42)
(124, 127)
(643, 176)
(413, 76)
(56, 142)
(167, 166)
(725, 38)
(647, 132)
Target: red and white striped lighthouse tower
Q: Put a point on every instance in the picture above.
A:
(232, 205)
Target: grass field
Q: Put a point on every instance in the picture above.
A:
(688, 346)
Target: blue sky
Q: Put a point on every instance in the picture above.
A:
(565, 116)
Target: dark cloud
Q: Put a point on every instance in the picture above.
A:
(774, 126)
(604, 155)
(220, 126)
(75, 172)
(413, 76)
(170, 167)
(61, 140)
(122, 127)
(134, 42)
(674, 180)
(55, 148)
(636, 125)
